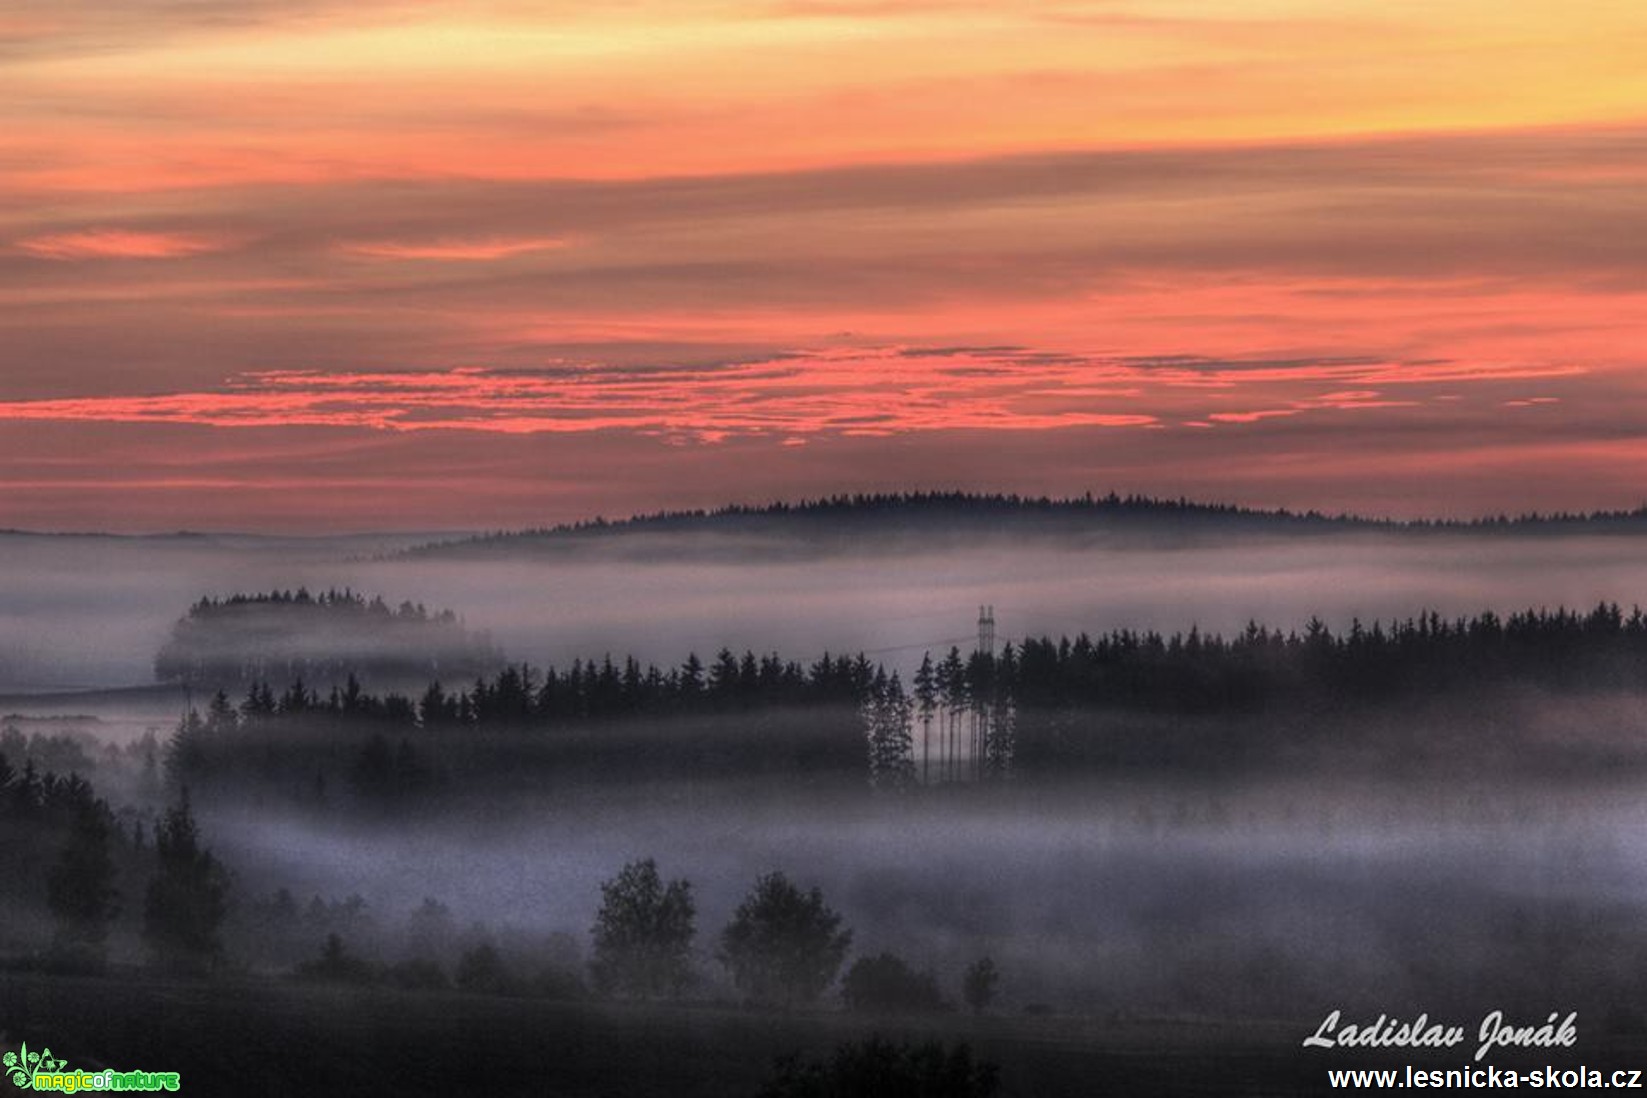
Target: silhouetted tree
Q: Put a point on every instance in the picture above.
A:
(337, 965)
(926, 702)
(955, 697)
(188, 897)
(724, 677)
(885, 982)
(437, 709)
(690, 681)
(187, 752)
(80, 886)
(220, 714)
(978, 984)
(1000, 739)
(783, 945)
(27, 792)
(643, 933)
(886, 714)
(260, 703)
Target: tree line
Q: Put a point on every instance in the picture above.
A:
(596, 719)
(784, 947)
(1262, 669)
(970, 718)
(184, 888)
(1179, 672)
(520, 696)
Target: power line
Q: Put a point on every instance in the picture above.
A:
(918, 644)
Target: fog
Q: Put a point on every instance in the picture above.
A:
(88, 613)
(1291, 890)
(1266, 900)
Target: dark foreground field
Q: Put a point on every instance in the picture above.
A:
(277, 1038)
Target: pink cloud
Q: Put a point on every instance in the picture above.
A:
(1253, 417)
(845, 392)
(117, 244)
(472, 251)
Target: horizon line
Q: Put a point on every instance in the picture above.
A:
(772, 506)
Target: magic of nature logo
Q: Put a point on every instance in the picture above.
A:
(41, 1071)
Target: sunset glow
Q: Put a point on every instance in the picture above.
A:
(1343, 255)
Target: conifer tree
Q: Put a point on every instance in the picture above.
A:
(80, 886)
(188, 897)
(926, 701)
(886, 712)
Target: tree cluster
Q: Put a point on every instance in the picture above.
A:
(643, 935)
(521, 697)
(1263, 669)
(784, 945)
(186, 896)
(288, 635)
(42, 812)
(532, 722)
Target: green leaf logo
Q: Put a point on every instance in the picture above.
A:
(23, 1064)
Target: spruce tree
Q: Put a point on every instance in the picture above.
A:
(188, 897)
(80, 885)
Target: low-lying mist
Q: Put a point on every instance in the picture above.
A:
(1270, 899)
(1504, 867)
(87, 613)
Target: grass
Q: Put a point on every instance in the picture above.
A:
(253, 1038)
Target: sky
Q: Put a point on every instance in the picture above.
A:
(313, 266)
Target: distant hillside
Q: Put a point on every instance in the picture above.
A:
(321, 639)
(928, 518)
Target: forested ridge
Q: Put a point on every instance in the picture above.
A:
(934, 513)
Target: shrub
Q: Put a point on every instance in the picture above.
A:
(885, 982)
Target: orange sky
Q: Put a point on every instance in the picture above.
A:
(1382, 256)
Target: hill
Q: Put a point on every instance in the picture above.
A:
(942, 519)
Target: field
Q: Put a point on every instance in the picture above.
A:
(278, 1038)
